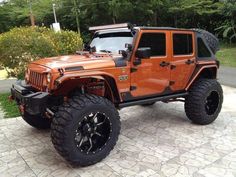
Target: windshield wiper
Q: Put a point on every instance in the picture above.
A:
(106, 51)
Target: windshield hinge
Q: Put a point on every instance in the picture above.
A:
(132, 70)
(133, 88)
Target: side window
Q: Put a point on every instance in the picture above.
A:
(202, 49)
(156, 41)
(183, 44)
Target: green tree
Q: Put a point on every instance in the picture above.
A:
(228, 29)
(206, 14)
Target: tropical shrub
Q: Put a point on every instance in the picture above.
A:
(22, 45)
(228, 31)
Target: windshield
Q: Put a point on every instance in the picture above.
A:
(111, 42)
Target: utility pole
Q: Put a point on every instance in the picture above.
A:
(32, 20)
(76, 16)
(54, 12)
(55, 25)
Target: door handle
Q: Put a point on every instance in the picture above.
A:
(164, 64)
(189, 62)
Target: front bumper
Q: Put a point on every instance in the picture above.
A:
(33, 102)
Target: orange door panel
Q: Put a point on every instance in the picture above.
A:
(150, 78)
(183, 60)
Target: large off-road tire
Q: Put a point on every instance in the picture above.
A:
(204, 102)
(211, 40)
(37, 121)
(85, 129)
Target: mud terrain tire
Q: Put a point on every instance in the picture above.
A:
(72, 126)
(204, 102)
(37, 121)
(211, 40)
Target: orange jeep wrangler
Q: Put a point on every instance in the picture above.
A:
(79, 95)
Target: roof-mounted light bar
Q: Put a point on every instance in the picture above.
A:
(121, 25)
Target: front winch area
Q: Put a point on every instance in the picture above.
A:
(33, 102)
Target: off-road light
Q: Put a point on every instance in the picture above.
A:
(122, 25)
(48, 77)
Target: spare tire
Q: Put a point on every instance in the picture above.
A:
(211, 40)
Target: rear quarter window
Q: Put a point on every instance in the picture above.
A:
(203, 51)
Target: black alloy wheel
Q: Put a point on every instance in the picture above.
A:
(212, 103)
(93, 132)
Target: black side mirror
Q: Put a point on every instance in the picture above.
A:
(143, 52)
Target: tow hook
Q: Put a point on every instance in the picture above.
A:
(10, 98)
(49, 113)
(22, 109)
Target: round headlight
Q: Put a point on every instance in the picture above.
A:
(27, 74)
(48, 77)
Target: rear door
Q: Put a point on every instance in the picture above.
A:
(183, 60)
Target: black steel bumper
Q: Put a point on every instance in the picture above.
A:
(33, 102)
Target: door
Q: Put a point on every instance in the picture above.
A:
(183, 60)
(151, 77)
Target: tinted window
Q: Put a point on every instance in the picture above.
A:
(202, 49)
(156, 41)
(183, 44)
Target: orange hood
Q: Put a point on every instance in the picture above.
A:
(88, 61)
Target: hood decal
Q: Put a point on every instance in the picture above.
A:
(74, 68)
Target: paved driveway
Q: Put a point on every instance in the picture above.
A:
(227, 75)
(155, 141)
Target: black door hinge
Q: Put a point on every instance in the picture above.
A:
(133, 88)
(132, 70)
(137, 62)
(172, 67)
(172, 83)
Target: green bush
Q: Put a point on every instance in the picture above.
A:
(22, 45)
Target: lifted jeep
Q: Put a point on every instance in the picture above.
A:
(78, 95)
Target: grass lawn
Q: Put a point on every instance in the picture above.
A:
(8, 107)
(227, 55)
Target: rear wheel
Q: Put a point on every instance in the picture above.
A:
(37, 121)
(85, 129)
(204, 102)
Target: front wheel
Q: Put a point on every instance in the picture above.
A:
(85, 129)
(204, 102)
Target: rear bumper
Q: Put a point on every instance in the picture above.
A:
(33, 102)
